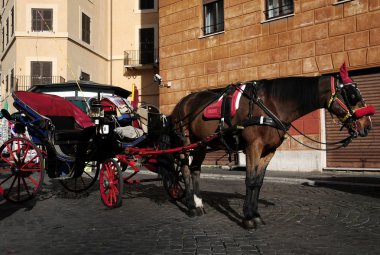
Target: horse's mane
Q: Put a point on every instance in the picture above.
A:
(304, 90)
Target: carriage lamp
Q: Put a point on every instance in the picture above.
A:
(96, 109)
(105, 129)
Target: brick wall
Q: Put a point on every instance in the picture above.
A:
(316, 40)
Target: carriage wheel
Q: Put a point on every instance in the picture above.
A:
(83, 182)
(21, 169)
(174, 183)
(111, 183)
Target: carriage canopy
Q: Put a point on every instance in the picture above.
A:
(52, 105)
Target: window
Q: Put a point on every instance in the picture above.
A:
(146, 4)
(13, 20)
(84, 76)
(42, 19)
(213, 11)
(146, 46)
(7, 29)
(41, 72)
(86, 22)
(278, 8)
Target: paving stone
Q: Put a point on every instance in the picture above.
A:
(300, 219)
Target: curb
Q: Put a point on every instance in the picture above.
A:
(284, 180)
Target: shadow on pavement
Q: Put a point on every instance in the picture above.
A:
(228, 204)
(9, 208)
(366, 186)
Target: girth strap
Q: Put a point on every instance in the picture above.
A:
(262, 120)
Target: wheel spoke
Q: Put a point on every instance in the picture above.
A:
(7, 161)
(26, 186)
(33, 180)
(10, 152)
(11, 187)
(18, 187)
(6, 179)
(26, 150)
(5, 170)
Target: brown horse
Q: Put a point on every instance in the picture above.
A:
(263, 114)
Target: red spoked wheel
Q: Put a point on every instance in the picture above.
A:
(111, 183)
(174, 183)
(21, 169)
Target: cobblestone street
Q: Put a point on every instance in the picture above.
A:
(300, 219)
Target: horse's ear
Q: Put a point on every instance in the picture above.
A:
(344, 74)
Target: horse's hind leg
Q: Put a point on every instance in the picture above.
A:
(198, 157)
(184, 159)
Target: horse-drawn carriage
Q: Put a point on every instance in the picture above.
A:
(72, 131)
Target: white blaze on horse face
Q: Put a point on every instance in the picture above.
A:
(198, 202)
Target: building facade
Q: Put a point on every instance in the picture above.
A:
(50, 41)
(212, 43)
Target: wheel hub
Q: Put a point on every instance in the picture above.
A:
(106, 184)
(15, 169)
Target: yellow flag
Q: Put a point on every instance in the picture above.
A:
(133, 91)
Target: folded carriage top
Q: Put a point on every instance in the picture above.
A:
(52, 105)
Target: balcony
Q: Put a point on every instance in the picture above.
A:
(140, 59)
(24, 82)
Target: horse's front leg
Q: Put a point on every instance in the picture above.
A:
(254, 181)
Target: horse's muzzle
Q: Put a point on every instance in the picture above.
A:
(365, 131)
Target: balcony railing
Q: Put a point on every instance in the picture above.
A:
(24, 82)
(140, 58)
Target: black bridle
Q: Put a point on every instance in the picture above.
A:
(351, 96)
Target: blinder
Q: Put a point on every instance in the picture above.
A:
(351, 93)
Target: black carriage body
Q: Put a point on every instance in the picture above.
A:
(67, 144)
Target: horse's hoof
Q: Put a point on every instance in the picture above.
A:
(258, 221)
(253, 223)
(200, 211)
(249, 224)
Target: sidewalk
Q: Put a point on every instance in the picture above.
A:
(331, 178)
(364, 179)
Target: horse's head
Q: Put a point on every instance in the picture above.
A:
(348, 105)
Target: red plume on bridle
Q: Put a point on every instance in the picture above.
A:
(344, 74)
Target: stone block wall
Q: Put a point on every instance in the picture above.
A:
(316, 40)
